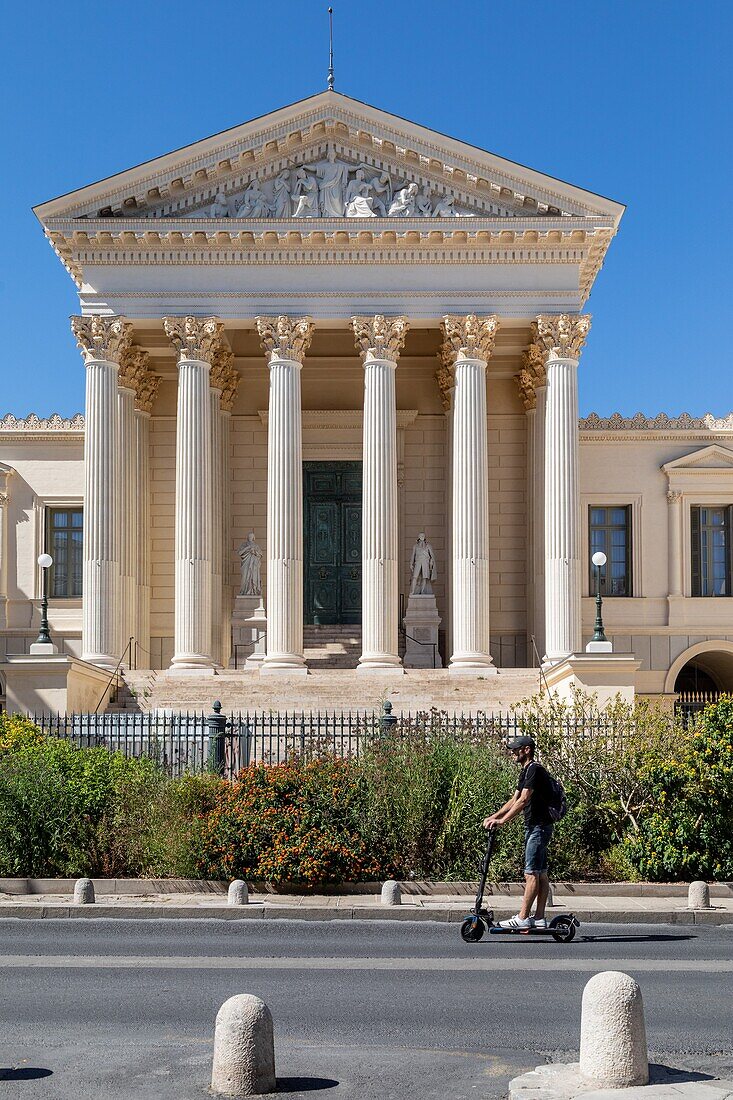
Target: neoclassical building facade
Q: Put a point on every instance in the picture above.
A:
(339, 331)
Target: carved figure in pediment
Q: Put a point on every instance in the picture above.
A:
(305, 193)
(334, 177)
(254, 203)
(281, 195)
(382, 188)
(359, 201)
(404, 204)
(444, 207)
(220, 206)
(424, 203)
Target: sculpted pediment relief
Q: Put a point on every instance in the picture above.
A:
(331, 186)
(712, 457)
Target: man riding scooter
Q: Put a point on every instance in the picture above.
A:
(533, 797)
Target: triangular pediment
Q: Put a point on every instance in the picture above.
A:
(712, 457)
(324, 157)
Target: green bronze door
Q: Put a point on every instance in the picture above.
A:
(332, 521)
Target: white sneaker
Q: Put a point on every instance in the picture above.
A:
(517, 922)
(540, 922)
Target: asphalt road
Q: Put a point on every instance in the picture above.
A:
(376, 1011)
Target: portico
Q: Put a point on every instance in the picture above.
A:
(331, 285)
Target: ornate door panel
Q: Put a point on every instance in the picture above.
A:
(332, 521)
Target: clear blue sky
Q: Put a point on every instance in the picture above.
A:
(629, 98)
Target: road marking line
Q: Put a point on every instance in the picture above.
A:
(216, 962)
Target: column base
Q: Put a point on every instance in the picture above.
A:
(101, 660)
(191, 670)
(474, 664)
(192, 662)
(385, 664)
(284, 665)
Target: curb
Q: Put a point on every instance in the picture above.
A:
(259, 911)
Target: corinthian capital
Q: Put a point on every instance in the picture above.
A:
(285, 337)
(533, 362)
(527, 391)
(380, 337)
(101, 339)
(561, 336)
(194, 338)
(224, 376)
(133, 366)
(445, 377)
(470, 337)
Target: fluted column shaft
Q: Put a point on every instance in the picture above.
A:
(226, 540)
(194, 517)
(141, 505)
(537, 549)
(127, 521)
(562, 511)
(470, 511)
(217, 520)
(101, 565)
(380, 532)
(284, 519)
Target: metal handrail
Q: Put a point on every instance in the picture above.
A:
(127, 650)
(236, 646)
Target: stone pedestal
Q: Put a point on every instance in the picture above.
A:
(41, 649)
(421, 629)
(604, 675)
(249, 627)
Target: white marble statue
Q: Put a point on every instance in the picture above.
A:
(422, 567)
(334, 177)
(220, 206)
(281, 195)
(305, 194)
(254, 203)
(404, 202)
(359, 200)
(250, 556)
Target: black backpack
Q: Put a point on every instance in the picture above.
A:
(557, 803)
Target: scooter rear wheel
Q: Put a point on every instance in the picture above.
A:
(472, 929)
(563, 929)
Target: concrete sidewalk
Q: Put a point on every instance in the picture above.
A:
(667, 908)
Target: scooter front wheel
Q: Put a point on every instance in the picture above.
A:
(472, 929)
(563, 929)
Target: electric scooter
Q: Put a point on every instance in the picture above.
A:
(480, 920)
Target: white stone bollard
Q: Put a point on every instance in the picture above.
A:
(84, 892)
(244, 1049)
(391, 893)
(238, 893)
(612, 1034)
(698, 896)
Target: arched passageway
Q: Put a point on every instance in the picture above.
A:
(700, 675)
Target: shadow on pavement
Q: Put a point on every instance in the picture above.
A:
(654, 938)
(24, 1073)
(659, 1075)
(305, 1084)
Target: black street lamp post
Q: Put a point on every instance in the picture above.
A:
(599, 560)
(44, 635)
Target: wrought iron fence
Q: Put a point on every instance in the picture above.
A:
(192, 743)
(691, 703)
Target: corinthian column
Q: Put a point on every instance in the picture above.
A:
(285, 341)
(101, 341)
(561, 339)
(379, 341)
(532, 383)
(225, 380)
(145, 394)
(195, 340)
(469, 342)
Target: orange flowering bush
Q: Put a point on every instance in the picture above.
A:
(291, 823)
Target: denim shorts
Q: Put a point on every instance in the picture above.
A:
(536, 842)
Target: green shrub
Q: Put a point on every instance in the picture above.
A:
(687, 834)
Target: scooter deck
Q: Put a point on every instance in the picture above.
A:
(496, 931)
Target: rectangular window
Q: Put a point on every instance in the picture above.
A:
(64, 544)
(610, 531)
(711, 549)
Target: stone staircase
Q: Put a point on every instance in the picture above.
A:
(332, 646)
(333, 689)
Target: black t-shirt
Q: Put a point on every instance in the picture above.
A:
(536, 779)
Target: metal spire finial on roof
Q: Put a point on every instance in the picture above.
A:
(330, 49)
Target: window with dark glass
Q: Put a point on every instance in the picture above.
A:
(711, 549)
(610, 532)
(64, 544)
